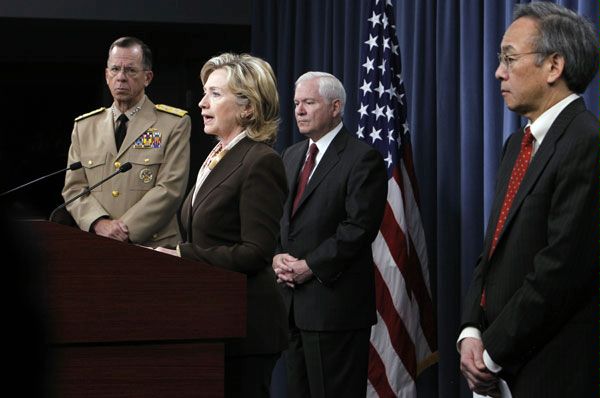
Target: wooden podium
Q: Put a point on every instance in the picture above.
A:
(126, 321)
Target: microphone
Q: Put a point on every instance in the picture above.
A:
(124, 167)
(73, 166)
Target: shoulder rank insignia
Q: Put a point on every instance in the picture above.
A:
(171, 110)
(78, 118)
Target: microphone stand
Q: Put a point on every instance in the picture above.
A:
(125, 167)
(74, 166)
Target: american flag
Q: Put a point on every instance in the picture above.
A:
(403, 342)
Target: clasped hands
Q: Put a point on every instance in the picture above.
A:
(290, 270)
(114, 229)
(472, 366)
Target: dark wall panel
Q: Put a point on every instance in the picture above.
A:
(230, 12)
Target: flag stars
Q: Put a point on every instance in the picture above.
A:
(389, 160)
(372, 42)
(400, 97)
(386, 43)
(366, 87)
(385, 21)
(369, 65)
(375, 19)
(378, 111)
(363, 110)
(380, 89)
(359, 132)
(391, 92)
(405, 127)
(391, 137)
(387, 79)
(389, 113)
(375, 135)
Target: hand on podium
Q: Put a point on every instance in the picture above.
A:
(114, 229)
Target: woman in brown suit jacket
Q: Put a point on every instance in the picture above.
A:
(230, 218)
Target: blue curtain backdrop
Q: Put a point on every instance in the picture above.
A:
(457, 118)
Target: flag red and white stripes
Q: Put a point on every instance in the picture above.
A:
(403, 342)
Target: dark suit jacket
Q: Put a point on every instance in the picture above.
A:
(234, 224)
(541, 318)
(337, 219)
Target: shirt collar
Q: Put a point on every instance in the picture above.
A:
(235, 140)
(323, 142)
(540, 127)
(130, 113)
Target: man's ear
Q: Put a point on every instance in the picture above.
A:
(337, 107)
(148, 77)
(555, 67)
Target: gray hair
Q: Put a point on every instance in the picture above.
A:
(129, 42)
(330, 87)
(568, 34)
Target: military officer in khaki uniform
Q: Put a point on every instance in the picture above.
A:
(140, 205)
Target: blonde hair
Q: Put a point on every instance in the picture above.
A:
(252, 81)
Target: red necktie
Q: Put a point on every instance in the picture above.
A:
(308, 167)
(516, 177)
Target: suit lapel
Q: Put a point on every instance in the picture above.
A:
(293, 160)
(511, 151)
(541, 158)
(144, 119)
(230, 163)
(107, 130)
(186, 219)
(329, 160)
(293, 165)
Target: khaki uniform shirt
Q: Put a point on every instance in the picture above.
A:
(147, 197)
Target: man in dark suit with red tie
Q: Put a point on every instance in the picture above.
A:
(338, 190)
(530, 318)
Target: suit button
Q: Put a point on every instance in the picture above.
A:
(154, 236)
(115, 194)
(90, 162)
(117, 165)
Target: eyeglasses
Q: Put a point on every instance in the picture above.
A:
(509, 59)
(127, 70)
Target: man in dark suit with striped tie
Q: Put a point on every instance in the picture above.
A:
(338, 190)
(530, 319)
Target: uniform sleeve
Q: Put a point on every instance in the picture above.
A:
(86, 209)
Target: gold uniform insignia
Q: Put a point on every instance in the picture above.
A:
(146, 175)
(92, 113)
(171, 110)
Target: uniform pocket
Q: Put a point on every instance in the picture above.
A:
(145, 165)
(93, 165)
